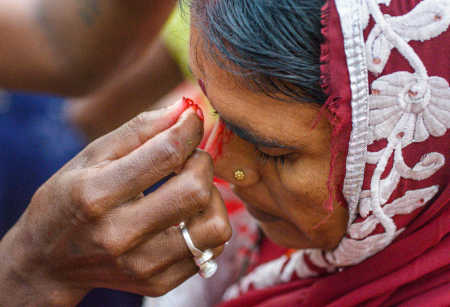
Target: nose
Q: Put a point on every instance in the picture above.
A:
(237, 162)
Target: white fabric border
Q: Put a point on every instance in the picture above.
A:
(350, 17)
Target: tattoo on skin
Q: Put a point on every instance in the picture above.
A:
(89, 11)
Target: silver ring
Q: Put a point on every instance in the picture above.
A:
(207, 256)
(187, 237)
(203, 260)
(208, 269)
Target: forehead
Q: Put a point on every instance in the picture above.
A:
(289, 123)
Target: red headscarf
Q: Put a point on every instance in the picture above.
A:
(386, 70)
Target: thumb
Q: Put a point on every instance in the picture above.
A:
(134, 133)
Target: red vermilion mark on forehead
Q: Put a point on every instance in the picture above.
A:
(213, 143)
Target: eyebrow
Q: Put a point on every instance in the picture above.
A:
(244, 133)
(253, 138)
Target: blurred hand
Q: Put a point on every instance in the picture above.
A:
(90, 226)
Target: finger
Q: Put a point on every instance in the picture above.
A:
(133, 279)
(212, 229)
(166, 281)
(181, 197)
(165, 248)
(134, 133)
(155, 255)
(121, 180)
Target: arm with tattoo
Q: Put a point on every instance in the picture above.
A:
(69, 47)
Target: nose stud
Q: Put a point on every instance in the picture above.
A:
(239, 174)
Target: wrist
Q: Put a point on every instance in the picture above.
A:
(23, 282)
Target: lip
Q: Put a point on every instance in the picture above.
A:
(261, 215)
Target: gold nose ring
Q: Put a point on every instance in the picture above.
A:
(239, 174)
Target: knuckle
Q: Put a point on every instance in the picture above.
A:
(87, 199)
(190, 197)
(90, 151)
(199, 192)
(220, 230)
(89, 208)
(173, 151)
(134, 267)
(138, 121)
(175, 206)
(135, 125)
(142, 265)
(109, 244)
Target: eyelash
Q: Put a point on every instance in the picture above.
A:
(281, 159)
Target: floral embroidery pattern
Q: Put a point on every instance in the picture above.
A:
(396, 96)
(403, 108)
(428, 19)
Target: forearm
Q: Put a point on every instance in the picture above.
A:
(71, 46)
(132, 91)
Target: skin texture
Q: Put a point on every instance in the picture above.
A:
(286, 198)
(90, 226)
(142, 85)
(71, 47)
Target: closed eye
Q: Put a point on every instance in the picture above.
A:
(277, 158)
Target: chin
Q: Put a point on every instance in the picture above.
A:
(286, 235)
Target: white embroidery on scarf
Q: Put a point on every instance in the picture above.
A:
(404, 205)
(404, 108)
(356, 63)
(262, 277)
(428, 19)
(365, 15)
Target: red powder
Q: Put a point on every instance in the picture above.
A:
(214, 139)
(189, 103)
(217, 143)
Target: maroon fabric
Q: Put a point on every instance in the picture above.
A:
(415, 269)
(405, 271)
(338, 97)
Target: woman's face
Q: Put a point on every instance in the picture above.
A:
(286, 162)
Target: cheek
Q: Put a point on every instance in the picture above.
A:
(229, 152)
(236, 154)
(306, 179)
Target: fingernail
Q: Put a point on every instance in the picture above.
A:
(189, 103)
(175, 110)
